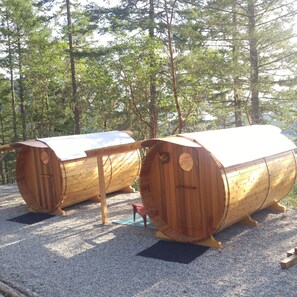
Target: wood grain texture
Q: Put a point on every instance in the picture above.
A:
(183, 204)
(282, 172)
(40, 184)
(190, 196)
(46, 183)
(289, 261)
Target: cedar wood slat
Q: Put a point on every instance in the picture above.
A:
(210, 208)
(45, 187)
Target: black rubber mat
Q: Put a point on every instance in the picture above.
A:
(31, 218)
(174, 251)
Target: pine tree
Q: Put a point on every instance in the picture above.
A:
(260, 34)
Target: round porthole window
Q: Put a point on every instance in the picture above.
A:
(186, 161)
(44, 157)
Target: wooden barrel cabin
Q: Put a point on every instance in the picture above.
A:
(194, 185)
(53, 173)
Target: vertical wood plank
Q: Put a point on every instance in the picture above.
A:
(102, 191)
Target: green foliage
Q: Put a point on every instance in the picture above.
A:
(291, 199)
(132, 67)
(122, 83)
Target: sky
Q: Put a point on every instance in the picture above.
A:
(104, 2)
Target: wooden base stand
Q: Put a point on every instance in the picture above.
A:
(248, 221)
(96, 199)
(128, 189)
(208, 242)
(59, 211)
(161, 235)
(290, 260)
(278, 207)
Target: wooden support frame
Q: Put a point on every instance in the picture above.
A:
(100, 153)
(277, 207)
(8, 147)
(248, 221)
(208, 242)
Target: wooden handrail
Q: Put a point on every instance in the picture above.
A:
(104, 151)
(7, 147)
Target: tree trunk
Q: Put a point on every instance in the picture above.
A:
(254, 67)
(73, 74)
(152, 106)
(236, 81)
(173, 76)
(12, 92)
(2, 168)
(237, 103)
(22, 99)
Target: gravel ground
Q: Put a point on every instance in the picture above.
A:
(75, 255)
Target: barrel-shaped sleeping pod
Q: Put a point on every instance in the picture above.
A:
(53, 173)
(194, 185)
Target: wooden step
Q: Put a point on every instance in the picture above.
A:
(290, 260)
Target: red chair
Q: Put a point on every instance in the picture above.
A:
(139, 208)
